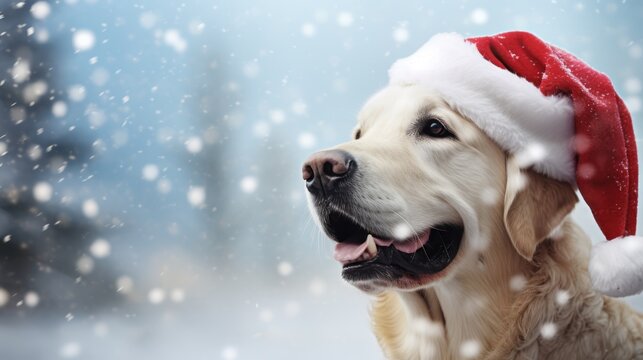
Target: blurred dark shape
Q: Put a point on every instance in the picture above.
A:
(244, 232)
(40, 241)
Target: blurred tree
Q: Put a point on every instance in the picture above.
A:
(249, 214)
(42, 238)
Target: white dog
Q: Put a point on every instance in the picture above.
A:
(468, 255)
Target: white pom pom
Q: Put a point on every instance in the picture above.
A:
(616, 266)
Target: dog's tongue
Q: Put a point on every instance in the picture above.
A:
(347, 252)
(412, 244)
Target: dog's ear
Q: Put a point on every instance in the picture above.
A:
(534, 206)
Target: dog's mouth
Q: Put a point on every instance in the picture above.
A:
(366, 256)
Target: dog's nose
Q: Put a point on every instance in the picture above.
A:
(324, 169)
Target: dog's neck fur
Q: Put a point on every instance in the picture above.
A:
(473, 303)
(484, 313)
(478, 299)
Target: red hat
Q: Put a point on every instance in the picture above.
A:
(548, 107)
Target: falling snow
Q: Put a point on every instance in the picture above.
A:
(470, 349)
(308, 30)
(70, 350)
(196, 195)
(40, 10)
(83, 40)
(4, 297)
(517, 282)
(42, 191)
(249, 184)
(548, 330)
(229, 353)
(401, 34)
(150, 167)
(345, 19)
(194, 144)
(156, 296)
(32, 299)
(306, 140)
(479, 16)
(150, 172)
(100, 248)
(402, 231)
(284, 268)
(90, 208)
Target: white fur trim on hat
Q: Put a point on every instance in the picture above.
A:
(509, 109)
(615, 266)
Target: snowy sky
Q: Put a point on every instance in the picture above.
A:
(198, 115)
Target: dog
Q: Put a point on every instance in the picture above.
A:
(468, 252)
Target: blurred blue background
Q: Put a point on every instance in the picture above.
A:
(150, 196)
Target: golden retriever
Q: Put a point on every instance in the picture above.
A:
(468, 252)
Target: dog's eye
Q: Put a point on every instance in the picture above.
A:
(434, 128)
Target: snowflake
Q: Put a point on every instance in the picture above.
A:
(177, 295)
(249, 184)
(31, 299)
(306, 140)
(548, 330)
(76, 93)
(59, 109)
(70, 350)
(562, 297)
(90, 208)
(40, 10)
(150, 172)
(4, 297)
(277, 116)
(517, 282)
(42, 191)
(401, 34)
(196, 27)
(156, 296)
(147, 20)
(479, 16)
(196, 195)
(308, 30)
(20, 72)
(284, 268)
(100, 248)
(124, 284)
(173, 39)
(194, 145)
(84, 264)
(83, 40)
(470, 349)
(344, 19)
(229, 353)
(402, 231)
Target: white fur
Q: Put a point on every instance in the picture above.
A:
(616, 266)
(511, 110)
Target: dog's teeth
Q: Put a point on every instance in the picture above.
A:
(371, 247)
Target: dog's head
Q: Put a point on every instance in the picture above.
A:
(420, 191)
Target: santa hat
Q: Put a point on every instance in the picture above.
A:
(536, 99)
